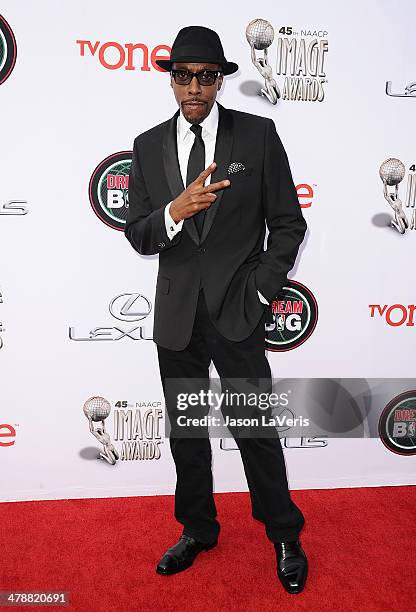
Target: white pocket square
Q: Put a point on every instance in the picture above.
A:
(236, 167)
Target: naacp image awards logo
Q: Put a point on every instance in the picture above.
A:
(299, 66)
(135, 430)
(392, 172)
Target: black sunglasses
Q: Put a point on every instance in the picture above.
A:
(205, 77)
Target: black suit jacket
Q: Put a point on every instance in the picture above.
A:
(229, 261)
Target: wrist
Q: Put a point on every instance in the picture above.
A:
(174, 216)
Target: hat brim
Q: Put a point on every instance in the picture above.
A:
(227, 67)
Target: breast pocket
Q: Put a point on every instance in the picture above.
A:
(240, 175)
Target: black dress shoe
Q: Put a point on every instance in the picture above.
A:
(181, 556)
(292, 565)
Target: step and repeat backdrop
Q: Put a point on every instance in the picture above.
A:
(81, 403)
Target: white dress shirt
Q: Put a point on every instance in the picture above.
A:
(185, 140)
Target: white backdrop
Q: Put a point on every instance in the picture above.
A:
(63, 113)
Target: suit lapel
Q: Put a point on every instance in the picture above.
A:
(222, 156)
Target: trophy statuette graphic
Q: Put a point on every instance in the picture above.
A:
(97, 409)
(392, 172)
(260, 35)
(409, 91)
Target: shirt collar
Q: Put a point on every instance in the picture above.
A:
(209, 124)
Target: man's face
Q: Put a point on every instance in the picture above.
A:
(196, 100)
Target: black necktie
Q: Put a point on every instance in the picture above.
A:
(196, 163)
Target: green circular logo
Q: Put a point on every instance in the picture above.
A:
(8, 50)
(108, 189)
(295, 314)
(397, 424)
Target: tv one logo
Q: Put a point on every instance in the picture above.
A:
(395, 315)
(305, 193)
(130, 56)
(7, 435)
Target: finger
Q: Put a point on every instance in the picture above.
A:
(215, 186)
(202, 198)
(197, 206)
(205, 173)
(207, 197)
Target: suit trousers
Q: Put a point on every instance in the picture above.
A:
(262, 458)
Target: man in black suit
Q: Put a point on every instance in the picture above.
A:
(202, 187)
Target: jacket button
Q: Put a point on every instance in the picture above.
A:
(161, 244)
(201, 249)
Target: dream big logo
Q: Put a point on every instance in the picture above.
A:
(8, 50)
(108, 189)
(397, 424)
(295, 314)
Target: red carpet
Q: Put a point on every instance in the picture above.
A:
(360, 544)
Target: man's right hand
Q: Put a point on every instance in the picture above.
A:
(196, 197)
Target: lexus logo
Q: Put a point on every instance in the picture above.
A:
(130, 307)
(127, 307)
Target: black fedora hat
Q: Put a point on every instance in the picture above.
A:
(198, 44)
